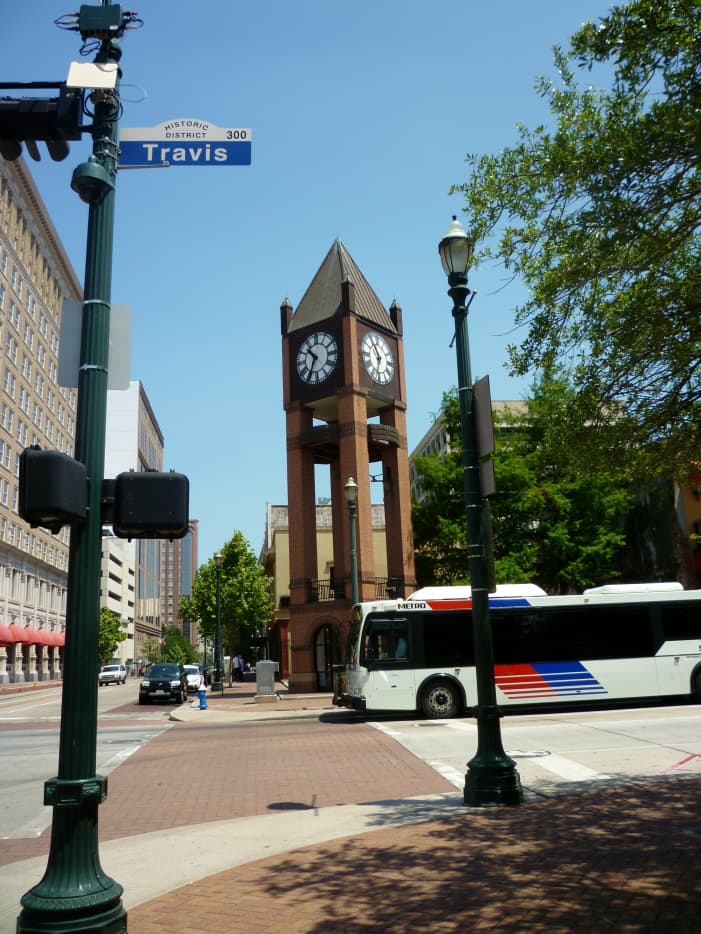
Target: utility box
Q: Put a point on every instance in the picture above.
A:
(265, 681)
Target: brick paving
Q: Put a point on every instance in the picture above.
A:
(194, 773)
(625, 859)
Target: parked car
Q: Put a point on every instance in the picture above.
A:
(112, 674)
(193, 673)
(164, 681)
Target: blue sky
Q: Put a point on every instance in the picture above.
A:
(362, 116)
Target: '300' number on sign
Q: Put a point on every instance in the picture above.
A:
(237, 134)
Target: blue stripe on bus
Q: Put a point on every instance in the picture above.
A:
(546, 679)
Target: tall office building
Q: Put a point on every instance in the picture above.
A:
(179, 565)
(118, 591)
(134, 442)
(35, 278)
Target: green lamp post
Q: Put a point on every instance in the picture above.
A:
(75, 893)
(350, 489)
(218, 683)
(492, 778)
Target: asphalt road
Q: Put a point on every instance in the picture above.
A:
(555, 751)
(30, 724)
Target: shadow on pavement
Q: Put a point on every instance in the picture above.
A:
(626, 859)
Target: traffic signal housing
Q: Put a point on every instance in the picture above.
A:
(27, 120)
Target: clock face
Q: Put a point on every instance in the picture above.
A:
(377, 358)
(317, 357)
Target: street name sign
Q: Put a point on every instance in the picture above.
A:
(185, 141)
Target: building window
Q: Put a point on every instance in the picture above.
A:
(9, 382)
(6, 417)
(11, 348)
(14, 316)
(5, 454)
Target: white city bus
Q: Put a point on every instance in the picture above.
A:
(610, 643)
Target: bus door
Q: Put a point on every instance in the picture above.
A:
(387, 653)
(677, 631)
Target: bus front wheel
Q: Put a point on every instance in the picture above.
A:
(440, 700)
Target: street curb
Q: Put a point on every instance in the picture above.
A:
(191, 713)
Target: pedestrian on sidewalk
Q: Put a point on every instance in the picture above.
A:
(238, 668)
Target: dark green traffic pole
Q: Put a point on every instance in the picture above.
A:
(492, 778)
(218, 684)
(75, 894)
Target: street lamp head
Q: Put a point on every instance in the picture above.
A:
(455, 249)
(350, 488)
(219, 559)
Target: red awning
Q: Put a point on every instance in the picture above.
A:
(20, 633)
(41, 637)
(30, 636)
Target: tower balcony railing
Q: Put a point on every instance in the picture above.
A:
(388, 588)
(326, 590)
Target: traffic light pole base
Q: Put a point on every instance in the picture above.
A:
(492, 786)
(492, 779)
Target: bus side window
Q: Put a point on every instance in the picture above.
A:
(387, 640)
(401, 645)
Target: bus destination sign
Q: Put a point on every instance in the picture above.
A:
(185, 141)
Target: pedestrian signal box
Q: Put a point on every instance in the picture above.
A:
(53, 489)
(151, 504)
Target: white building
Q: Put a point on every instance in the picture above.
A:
(118, 590)
(134, 442)
(35, 278)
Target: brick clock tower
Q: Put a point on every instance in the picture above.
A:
(344, 398)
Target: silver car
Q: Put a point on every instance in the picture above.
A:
(194, 678)
(112, 674)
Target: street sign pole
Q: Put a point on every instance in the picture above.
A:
(75, 894)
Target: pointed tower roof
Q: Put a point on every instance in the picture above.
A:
(324, 297)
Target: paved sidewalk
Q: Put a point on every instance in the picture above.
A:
(271, 828)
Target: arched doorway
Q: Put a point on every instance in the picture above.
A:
(326, 655)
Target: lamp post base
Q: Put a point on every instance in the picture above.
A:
(75, 894)
(55, 920)
(492, 779)
(492, 785)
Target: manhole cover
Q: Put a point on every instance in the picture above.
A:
(528, 753)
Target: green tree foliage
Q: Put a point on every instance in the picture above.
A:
(246, 601)
(559, 516)
(556, 521)
(111, 634)
(153, 650)
(600, 217)
(440, 531)
(175, 647)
